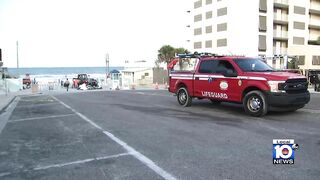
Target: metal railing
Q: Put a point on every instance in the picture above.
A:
(281, 1)
(280, 17)
(280, 34)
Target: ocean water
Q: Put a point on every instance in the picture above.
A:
(46, 77)
(61, 70)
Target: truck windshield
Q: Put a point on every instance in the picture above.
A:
(253, 65)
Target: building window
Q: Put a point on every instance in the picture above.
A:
(301, 60)
(197, 4)
(262, 23)
(209, 15)
(146, 74)
(197, 45)
(198, 31)
(197, 17)
(221, 42)
(208, 29)
(274, 62)
(299, 25)
(263, 6)
(221, 27)
(209, 44)
(208, 2)
(315, 60)
(299, 10)
(298, 40)
(262, 43)
(222, 11)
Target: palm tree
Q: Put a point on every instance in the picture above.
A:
(166, 53)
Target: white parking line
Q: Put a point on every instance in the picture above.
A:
(37, 118)
(68, 163)
(80, 161)
(145, 160)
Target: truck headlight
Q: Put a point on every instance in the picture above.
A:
(276, 86)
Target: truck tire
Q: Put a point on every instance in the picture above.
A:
(183, 97)
(255, 103)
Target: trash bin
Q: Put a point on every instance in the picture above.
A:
(35, 88)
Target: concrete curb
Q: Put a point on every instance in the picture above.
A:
(3, 109)
(7, 112)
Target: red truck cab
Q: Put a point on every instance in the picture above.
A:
(245, 80)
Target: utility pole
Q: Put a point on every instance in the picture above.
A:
(17, 45)
(107, 68)
(107, 63)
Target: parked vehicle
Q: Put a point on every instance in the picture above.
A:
(90, 83)
(26, 82)
(244, 80)
(82, 78)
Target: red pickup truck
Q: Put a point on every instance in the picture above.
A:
(245, 80)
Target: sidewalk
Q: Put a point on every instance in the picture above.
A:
(311, 90)
(6, 99)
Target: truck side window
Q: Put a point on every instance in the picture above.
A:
(223, 66)
(207, 66)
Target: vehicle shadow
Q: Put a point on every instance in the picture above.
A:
(238, 110)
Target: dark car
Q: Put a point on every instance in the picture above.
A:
(92, 82)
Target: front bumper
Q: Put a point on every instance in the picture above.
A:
(285, 99)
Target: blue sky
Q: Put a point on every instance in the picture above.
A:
(58, 33)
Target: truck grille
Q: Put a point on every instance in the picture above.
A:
(295, 86)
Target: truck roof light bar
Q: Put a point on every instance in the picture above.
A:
(196, 54)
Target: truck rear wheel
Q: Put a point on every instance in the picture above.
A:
(255, 103)
(183, 97)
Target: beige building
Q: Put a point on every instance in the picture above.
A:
(279, 30)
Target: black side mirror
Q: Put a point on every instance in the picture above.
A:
(230, 73)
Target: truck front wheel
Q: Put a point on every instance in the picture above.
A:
(183, 97)
(255, 103)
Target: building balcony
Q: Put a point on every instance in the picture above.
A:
(314, 26)
(281, 4)
(282, 39)
(280, 51)
(280, 34)
(314, 11)
(313, 42)
(280, 22)
(281, 19)
(314, 7)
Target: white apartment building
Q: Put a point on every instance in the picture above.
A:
(279, 30)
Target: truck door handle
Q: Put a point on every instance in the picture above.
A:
(196, 78)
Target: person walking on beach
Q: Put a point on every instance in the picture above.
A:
(66, 84)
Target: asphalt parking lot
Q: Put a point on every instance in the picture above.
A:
(147, 135)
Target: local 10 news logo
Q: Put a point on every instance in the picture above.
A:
(283, 151)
